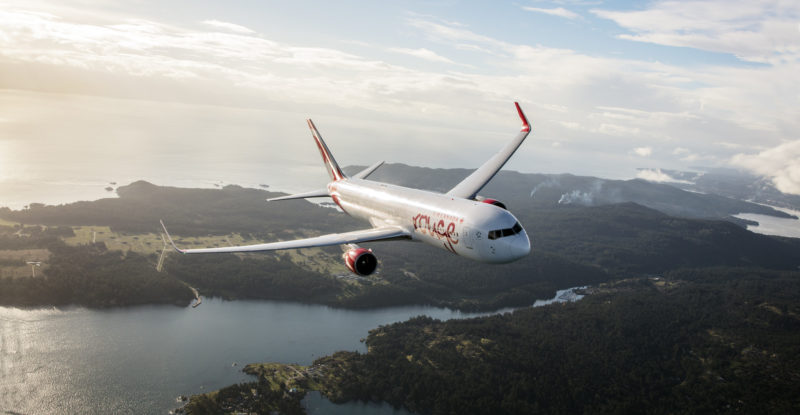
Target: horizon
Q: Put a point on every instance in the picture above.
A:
(58, 192)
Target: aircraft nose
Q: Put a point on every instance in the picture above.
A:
(521, 245)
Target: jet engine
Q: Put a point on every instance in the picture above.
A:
(361, 261)
(492, 202)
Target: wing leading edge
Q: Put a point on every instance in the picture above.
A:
(469, 187)
(364, 235)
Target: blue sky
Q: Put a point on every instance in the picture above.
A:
(609, 86)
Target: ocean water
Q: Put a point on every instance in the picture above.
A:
(138, 360)
(18, 193)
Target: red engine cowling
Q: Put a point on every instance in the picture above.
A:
(361, 261)
(495, 202)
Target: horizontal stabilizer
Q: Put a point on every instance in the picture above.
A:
(366, 172)
(313, 193)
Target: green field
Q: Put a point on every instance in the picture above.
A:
(4, 222)
(9, 256)
(314, 259)
(147, 243)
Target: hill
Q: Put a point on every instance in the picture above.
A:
(549, 190)
(573, 245)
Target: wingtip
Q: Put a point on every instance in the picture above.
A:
(526, 127)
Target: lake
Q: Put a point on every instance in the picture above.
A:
(139, 359)
(771, 225)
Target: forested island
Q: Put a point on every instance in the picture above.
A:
(715, 340)
(689, 313)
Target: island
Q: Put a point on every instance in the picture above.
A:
(709, 340)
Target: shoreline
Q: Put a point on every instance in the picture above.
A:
(291, 383)
(56, 192)
(469, 312)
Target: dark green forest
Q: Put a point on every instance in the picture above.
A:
(715, 340)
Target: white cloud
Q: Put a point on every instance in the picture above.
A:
(558, 11)
(598, 107)
(149, 51)
(233, 27)
(643, 151)
(422, 53)
(781, 164)
(657, 175)
(758, 31)
(461, 38)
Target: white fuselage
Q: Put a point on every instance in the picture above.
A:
(469, 228)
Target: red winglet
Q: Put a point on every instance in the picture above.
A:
(525, 126)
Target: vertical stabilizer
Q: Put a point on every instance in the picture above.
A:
(330, 163)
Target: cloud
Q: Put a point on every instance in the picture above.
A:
(457, 35)
(781, 164)
(229, 26)
(144, 51)
(558, 11)
(657, 175)
(643, 151)
(630, 100)
(422, 53)
(756, 31)
(599, 107)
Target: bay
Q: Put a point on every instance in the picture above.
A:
(139, 359)
(771, 225)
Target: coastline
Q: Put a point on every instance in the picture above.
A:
(286, 385)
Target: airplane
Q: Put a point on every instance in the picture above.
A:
(458, 221)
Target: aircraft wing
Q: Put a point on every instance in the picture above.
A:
(306, 195)
(469, 187)
(365, 235)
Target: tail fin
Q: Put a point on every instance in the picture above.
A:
(333, 169)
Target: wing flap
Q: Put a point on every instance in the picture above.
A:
(469, 187)
(364, 235)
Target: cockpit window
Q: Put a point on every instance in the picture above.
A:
(499, 233)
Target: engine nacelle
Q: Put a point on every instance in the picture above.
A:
(494, 202)
(361, 261)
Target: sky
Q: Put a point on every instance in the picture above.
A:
(202, 89)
